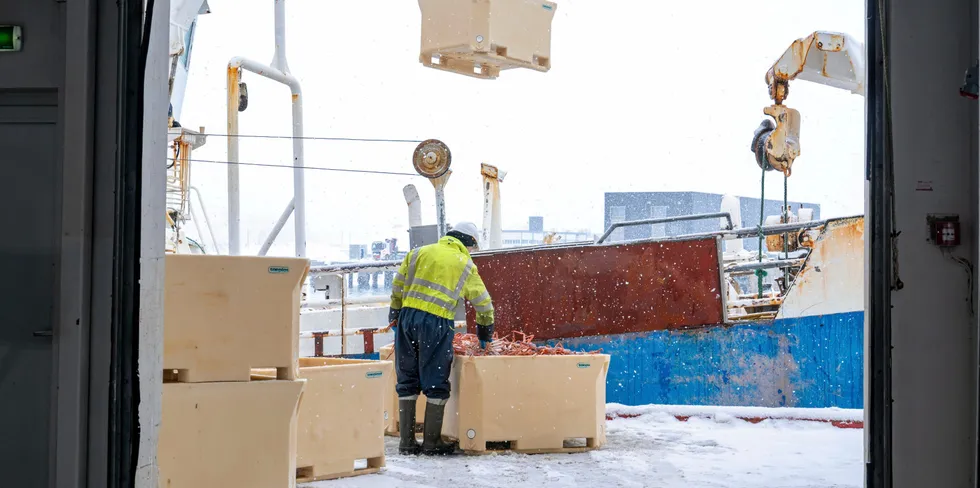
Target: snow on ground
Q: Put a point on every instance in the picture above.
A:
(824, 414)
(653, 450)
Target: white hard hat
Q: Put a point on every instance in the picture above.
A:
(468, 228)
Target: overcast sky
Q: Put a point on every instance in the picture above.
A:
(641, 96)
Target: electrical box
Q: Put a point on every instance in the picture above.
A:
(480, 38)
(944, 230)
(422, 235)
(327, 284)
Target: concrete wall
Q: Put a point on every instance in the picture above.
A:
(934, 357)
(152, 243)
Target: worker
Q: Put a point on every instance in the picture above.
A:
(424, 296)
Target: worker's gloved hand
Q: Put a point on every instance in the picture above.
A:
(393, 317)
(484, 333)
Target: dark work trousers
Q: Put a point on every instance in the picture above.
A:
(424, 351)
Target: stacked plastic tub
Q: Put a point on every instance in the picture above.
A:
(223, 316)
(240, 408)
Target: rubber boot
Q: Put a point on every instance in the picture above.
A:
(432, 443)
(408, 446)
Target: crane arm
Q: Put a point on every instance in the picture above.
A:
(826, 58)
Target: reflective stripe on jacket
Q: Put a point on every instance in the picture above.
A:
(433, 278)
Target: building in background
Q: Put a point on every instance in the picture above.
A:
(626, 206)
(535, 234)
(358, 251)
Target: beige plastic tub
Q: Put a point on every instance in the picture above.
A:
(240, 434)
(528, 403)
(224, 315)
(341, 418)
(480, 38)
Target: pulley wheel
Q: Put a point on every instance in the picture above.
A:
(759, 140)
(431, 158)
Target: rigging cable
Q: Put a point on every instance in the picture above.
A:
(316, 138)
(762, 216)
(785, 234)
(317, 168)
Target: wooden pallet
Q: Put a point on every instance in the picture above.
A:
(338, 470)
(568, 447)
(232, 374)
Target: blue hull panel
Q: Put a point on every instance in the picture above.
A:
(811, 362)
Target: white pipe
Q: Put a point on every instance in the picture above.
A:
(440, 185)
(441, 210)
(207, 221)
(279, 57)
(336, 302)
(492, 227)
(732, 205)
(414, 205)
(496, 227)
(190, 208)
(279, 71)
(234, 185)
(277, 228)
(299, 193)
(343, 315)
(299, 175)
(487, 213)
(326, 333)
(337, 333)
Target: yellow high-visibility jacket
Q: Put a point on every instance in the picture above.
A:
(433, 278)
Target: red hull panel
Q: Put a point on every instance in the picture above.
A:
(597, 290)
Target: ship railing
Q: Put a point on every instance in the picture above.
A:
(758, 308)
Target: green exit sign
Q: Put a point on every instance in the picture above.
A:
(10, 38)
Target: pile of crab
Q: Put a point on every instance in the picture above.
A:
(513, 344)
